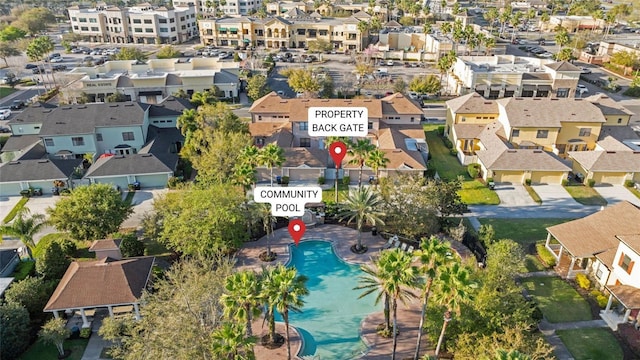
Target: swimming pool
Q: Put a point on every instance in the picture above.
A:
(332, 313)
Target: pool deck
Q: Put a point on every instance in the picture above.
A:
(342, 238)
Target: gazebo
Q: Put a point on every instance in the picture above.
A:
(109, 283)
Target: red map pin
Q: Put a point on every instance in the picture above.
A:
(296, 229)
(338, 150)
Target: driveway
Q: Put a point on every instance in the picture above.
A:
(513, 195)
(555, 195)
(6, 205)
(616, 193)
(39, 204)
(142, 203)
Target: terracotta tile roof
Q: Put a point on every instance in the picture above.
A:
(619, 161)
(472, 104)
(305, 157)
(628, 295)
(468, 131)
(597, 232)
(563, 66)
(104, 282)
(632, 241)
(106, 244)
(548, 112)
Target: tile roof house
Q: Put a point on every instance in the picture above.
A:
(549, 129)
(394, 127)
(103, 283)
(606, 246)
(130, 142)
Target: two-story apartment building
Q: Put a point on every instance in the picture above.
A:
(393, 126)
(501, 76)
(128, 142)
(141, 24)
(291, 31)
(606, 246)
(153, 80)
(502, 135)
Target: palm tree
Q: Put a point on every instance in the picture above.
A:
(426, 29)
(25, 227)
(362, 205)
(263, 211)
(374, 282)
(241, 298)
(270, 156)
(327, 142)
(489, 43)
(431, 256)
(454, 285)
(360, 152)
(562, 37)
(491, 15)
(377, 159)
(285, 289)
(244, 175)
(229, 342)
(187, 122)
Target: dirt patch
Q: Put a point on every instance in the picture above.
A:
(279, 341)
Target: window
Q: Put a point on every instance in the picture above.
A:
(147, 30)
(562, 93)
(83, 19)
(515, 132)
(99, 137)
(463, 119)
(303, 125)
(137, 21)
(599, 274)
(128, 136)
(162, 21)
(148, 21)
(542, 134)
(84, 28)
(48, 142)
(585, 132)
(77, 141)
(172, 20)
(619, 120)
(94, 28)
(625, 263)
(305, 142)
(164, 30)
(137, 30)
(75, 27)
(370, 125)
(74, 19)
(93, 20)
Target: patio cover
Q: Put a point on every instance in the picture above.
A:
(628, 296)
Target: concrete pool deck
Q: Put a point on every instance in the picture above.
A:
(342, 238)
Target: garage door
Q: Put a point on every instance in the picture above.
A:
(541, 177)
(120, 181)
(10, 189)
(609, 178)
(304, 174)
(514, 177)
(155, 181)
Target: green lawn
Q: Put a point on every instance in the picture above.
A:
(42, 243)
(532, 264)
(40, 351)
(15, 209)
(447, 165)
(154, 248)
(329, 195)
(476, 193)
(6, 91)
(82, 253)
(523, 231)
(587, 344)
(585, 195)
(534, 195)
(129, 198)
(635, 192)
(558, 301)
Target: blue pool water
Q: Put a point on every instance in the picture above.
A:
(332, 313)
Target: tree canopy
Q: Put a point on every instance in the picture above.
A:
(53, 262)
(202, 221)
(257, 87)
(429, 84)
(302, 80)
(90, 212)
(15, 329)
(168, 52)
(35, 20)
(131, 53)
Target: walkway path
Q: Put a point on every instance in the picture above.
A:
(559, 349)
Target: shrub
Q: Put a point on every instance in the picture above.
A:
(321, 180)
(473, 170)
(346, 180)
(131, 246)
(430, 173)
(629, 183)
(285, 180)
(441, 130)
(173, 182)
(453, 152)
(591, 182)
(489, 180)
(583, 281)
(24, 269)
(85, 333)
(447, 142)
(632, 91)
(527, 182)
(545, 255)
(68, 247)
(565, 182)
(602, 300)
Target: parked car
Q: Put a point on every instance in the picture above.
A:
(406, 64)
(4, 114)
(390, 62)
(17, 104)
(582, 89)
(585, 70)
(87, 59)
(57, 59)
(59, 67)
(38, 70)
(30, 66)
(5, 130)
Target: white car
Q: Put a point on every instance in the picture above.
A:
(57, 59)
(390, 62)
(582, 89)
(4, 114)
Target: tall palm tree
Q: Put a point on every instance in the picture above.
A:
(362, 205)
(327, 142)
(263, 211)
(360, 151)
(454, 287)
(431, 256)
(426, 29)
(285, 289)
(244, 175)
(24, 227)
(374, 282)
(377, 159)
(229, 342)
(241, 298)
(402, 276)
(271, 156)
(187, 122)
